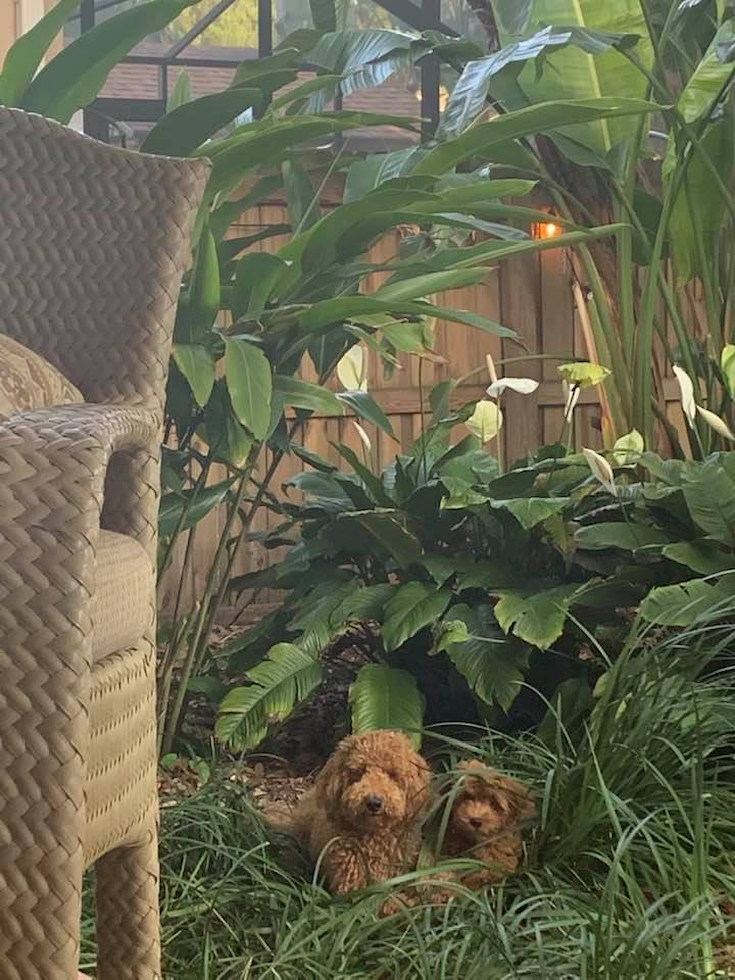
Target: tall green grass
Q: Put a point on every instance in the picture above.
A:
(627, 872)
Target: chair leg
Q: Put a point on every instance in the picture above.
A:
(128, 931)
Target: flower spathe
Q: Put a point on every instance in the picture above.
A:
(486, 421)
(719, 425)
(601, 470)
(628, 448)
(352, 369)
(364, 437)
(524, 386)
(686, 394)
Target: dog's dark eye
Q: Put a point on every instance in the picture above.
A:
(354, 774)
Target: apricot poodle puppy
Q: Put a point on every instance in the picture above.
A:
(485, 824)
(363, 815)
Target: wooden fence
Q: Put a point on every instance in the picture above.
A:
(530, 294)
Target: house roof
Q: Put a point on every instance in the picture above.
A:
(136, 80)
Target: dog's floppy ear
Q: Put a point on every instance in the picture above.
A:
(485, 782)
(330, 783)
(522, 806)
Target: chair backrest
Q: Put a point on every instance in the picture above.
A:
(93, 244)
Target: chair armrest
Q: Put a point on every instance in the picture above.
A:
(52, 481)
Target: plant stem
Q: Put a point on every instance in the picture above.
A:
(186, 510)
(174, 713)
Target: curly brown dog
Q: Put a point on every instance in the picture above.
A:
(363, 816)
(485, 824)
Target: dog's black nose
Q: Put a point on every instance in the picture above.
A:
(474, 822)
(374, 804)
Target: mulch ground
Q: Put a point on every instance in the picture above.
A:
(283, 767)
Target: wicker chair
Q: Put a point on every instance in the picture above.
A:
(93, 243)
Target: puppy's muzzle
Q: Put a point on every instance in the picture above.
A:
(374, 804)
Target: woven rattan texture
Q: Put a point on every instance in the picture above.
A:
(121, 605)
(93, 244)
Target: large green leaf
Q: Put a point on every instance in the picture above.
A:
(356, 240)
(366, 604)
(228, 212)
(310, 96)
(701, 556)
(584, 69)
(258, 274)
(250, 384)
(470, 573)
(368, 174)
(365, 407)
(324, 490)
(255, 146)
(434, 282)
(205, 294)
(280, 682)
(538, 619)
(496, 250)
(470, 93)
(684, 604)
(710, 497)
(303, 207)
(190, 507)
(492, 665)
(181, 92)
(365, 58)
(386, 698)
(304, 394)
(529, 121)
(530, 511)
(331, 311)
(197, 365)
(183, 130)
(76, 75)
(27, 53)
(512, 16)
(318, 248)
(372, 483)
(389, 531)
(414, 606)
(696, 216)
(709, 78)
(618, 534)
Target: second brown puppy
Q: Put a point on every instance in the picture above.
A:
(485, 824)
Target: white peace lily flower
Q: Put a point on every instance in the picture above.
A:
(524, 386)
(601, 470)
(628, 448)
(486, 421)
(686, 390)
(363, 436)
(571, 397)
(352, 369)
(719, 425)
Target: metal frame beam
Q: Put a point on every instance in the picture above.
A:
(419, 18)
(426, 17)
(199, 28)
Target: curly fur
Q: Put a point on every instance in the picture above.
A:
(363, 816)
(485, 824)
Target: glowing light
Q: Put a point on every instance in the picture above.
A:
(548, 230)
